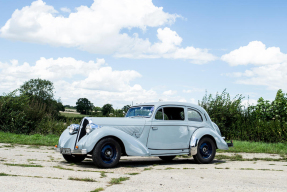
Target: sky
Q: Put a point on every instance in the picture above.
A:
(136, 51)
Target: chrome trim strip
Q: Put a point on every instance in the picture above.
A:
(193, 146)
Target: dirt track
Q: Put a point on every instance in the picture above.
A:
(153, 174)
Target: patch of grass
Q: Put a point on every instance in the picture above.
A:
(271, 164)
(12, 146)
(82, 179)
(98, 189)
(118, 180)
(36, 139)
(218, 167)
(231, 158)
(247, 169)
(264, 169)
(227, 168)
(168, 168)
(133, 173)
(188, 168)
(73, 115)
(33, 147)
(23, 165)
(63, 168)
(257, 147)
(219, 163)
(146, 169)
(154, 164)
(103, 174)
(4, 174)
(32, 160)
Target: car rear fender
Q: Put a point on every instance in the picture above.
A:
(202, 132)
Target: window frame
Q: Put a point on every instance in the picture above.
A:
(189, 108)
(162, 107)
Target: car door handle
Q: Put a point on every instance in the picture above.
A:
(154, 128)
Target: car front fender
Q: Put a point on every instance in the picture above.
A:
(201, 132)
(132, 145)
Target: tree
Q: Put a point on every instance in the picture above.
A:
(96, 109)
(126, 108)
(41, 92)
(107, 109)
(84, 106)
(39, 88)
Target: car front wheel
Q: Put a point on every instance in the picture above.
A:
(205, 151)
(107, 153)
(74, 158)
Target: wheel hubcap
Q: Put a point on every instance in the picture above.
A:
(205, 150)
(108, 153)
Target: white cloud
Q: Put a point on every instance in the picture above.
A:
(74, 79)
(65, 9)
(271, 65)
(273, 76)
(193, 90)
(255, 53)
(249, 102)
(97, 29)
(169, 92)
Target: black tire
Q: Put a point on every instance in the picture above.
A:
(74, 158)
(107, 153)
(167, 158)
(206, 150)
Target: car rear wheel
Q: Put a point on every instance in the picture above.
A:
(205, 151)
(107, 153)
(74, 158)
(167, 158)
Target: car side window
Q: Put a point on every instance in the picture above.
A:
(173, 113)
(194, 115)
(159, 115)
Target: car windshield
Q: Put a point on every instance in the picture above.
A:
(144, 111)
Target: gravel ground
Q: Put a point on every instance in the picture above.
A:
(52, 173)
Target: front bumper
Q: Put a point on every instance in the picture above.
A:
(74, 151)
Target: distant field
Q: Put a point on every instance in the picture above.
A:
(72, 115)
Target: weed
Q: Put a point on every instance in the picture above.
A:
(103, 174)
(232, 158)
(168, 168)
(227, 168)
(98, 189)
(59, 167)
(118, 180)
(4, 174)
(271, 164)
(188, 168)
(247, 169)
(133, 173)
(218, 168)
(146, 169)
(23, 165)
(82, 179)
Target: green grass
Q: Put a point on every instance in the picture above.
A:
(132, 173)
(168, 168)
(257, 147)
(73, 115)
(146, 169)
(118, 180)
(82, 179)
(4, 174)
(103, 174)
(98, 189)
(36, 139)
(22, 165)
(59, 167)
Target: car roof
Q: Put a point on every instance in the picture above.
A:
(163, 103)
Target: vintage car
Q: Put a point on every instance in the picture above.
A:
(163, 129)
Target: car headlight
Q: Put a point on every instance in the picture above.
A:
(73, 128)
(90, 127)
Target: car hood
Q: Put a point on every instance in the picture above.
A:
(117, 121)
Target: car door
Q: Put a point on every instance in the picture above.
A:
(169, 129)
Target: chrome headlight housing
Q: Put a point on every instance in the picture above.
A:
(90, 127)
(73, 128)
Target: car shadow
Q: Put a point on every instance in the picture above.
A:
(141, 162)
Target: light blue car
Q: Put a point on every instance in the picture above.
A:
(163, 129)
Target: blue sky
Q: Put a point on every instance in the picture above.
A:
(123, 51)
